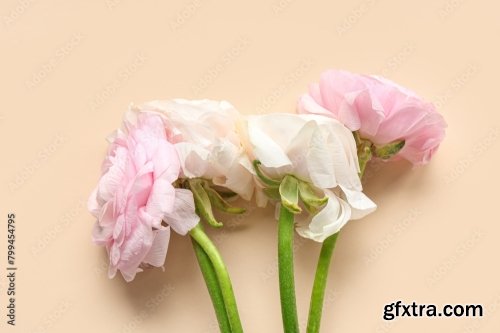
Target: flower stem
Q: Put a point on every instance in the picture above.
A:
(286, 273)
(214, 290)
(222, 275)
(325, 257)
(318, 292)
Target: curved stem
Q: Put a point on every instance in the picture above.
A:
(213, 287)
(320, 279)
(318, 292)
(209, 248)
(286, 273)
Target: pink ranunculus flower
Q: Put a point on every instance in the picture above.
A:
(135, 202)
(381, 110)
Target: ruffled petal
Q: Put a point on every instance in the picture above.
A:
(266, 148)
(158, 252)
(360, 204)
(184, 217)
(328, 221)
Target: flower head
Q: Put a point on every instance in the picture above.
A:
(135, 203)
(320, 155)
(206, 135)
(380, 110)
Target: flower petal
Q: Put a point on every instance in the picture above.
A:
(158, 252)
(328, 221)
(360, 204)
(184, 217)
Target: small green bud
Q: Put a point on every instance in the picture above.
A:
(272, 193)
(202, 201)
(289, 192)
(218, 201)
(312, 201)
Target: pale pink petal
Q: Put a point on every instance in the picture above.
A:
(158, 252)
(161, 200)
(134, 193)
(381, 110)
(184, 217)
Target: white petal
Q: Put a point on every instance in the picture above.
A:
(328, 221)
(299, 149)
(184, 217)
(193, 158)
(229, 169)
(265, 148)
(320, 162)
(360, 204)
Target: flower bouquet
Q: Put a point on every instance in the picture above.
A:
(173, 163)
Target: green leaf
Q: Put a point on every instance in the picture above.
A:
(312, 201)
(263, 178)
(272, 193)
(227, 194)
(289, 192)
(202, 202)
(389, 150)
(220, 203)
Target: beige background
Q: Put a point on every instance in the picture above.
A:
(69, 70)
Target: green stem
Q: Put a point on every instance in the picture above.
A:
(286, 273)
(318, 292)
(220, 270)
(320, 279)
(214, 290)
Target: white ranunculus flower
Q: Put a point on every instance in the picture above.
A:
(318, 150)
(205, 135)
